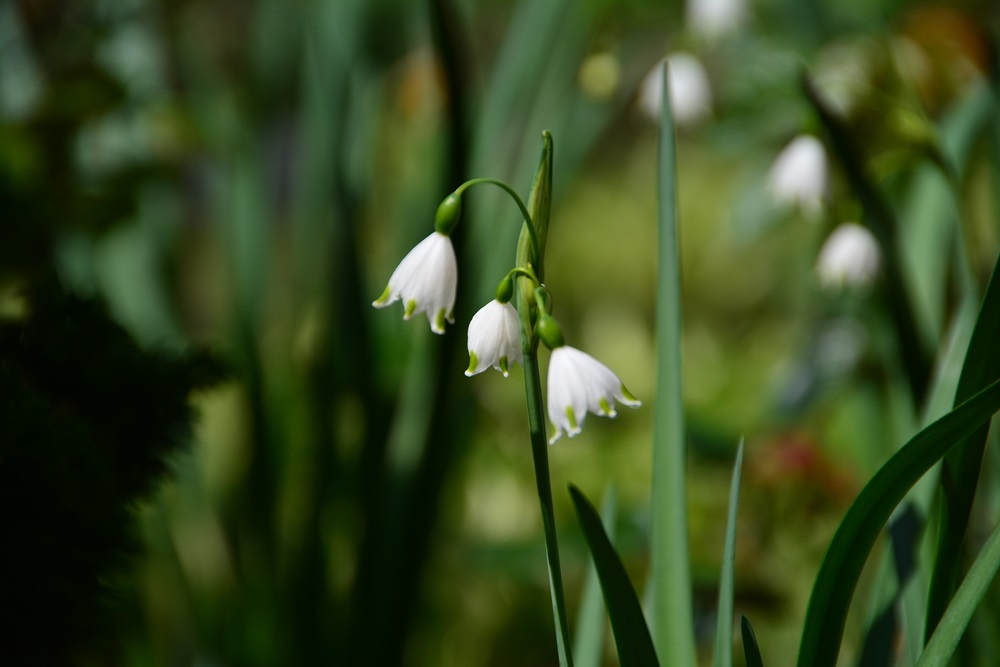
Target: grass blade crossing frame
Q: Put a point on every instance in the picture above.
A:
(724, 622)
(956, 618)
(671, 615)
(635, 646)
(856, 535)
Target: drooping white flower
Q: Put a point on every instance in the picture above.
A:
(425, 280)
(578, 384)
(799, 175)
(494, 338)
(690, 92)
(849, 257)
(713, 19)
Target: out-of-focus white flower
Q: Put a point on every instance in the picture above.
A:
(712, 19)
(578, 383)
(494, 338)
(799, 175)
(849, 257)
(690, 92)
(425, 280)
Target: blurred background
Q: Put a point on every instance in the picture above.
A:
(242, 177)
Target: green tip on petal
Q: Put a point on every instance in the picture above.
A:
(572, 418)
(473, 365)
(503, 366)
(439, 322)
(629, 398)
(411, 306)
(381, 301)
(606, 407)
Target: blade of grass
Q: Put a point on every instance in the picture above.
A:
(635, 646)
(671, 614)
(856, 535)
(588, 647)
(750, 649)
(724, 624)
(910, 597)
(956, 618)
(960, 472)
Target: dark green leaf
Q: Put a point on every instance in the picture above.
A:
(750, 649)
(960, 472)
(635, 646)
(853, 541)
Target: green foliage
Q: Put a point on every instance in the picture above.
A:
(750, 649)
(824, 623)
(671, 614)
(723, 656)
(240, 176)
(942, 644)
(635, 646)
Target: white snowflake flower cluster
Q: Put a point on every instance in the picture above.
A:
(426, 281)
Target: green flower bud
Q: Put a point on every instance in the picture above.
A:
(448, 213)
(549, 332)
(505, 290)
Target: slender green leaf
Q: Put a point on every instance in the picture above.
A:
(724, 624)
(856, 535)
(960, 472)
(588, 644)
(952, 626)
(750, 649)
(635, 646)
(909, 597)
(671, 615)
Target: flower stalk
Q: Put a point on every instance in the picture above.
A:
(529, 248)
(501, 334)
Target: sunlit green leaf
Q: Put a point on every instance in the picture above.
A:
(724, 624)
(671, 616)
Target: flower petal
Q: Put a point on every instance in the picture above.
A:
(426, 281)
(578, 384)
(494, 338)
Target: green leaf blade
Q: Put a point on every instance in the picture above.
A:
(724, 624)
(588, 643)
(751, 651)
(956, 618)
(632, 639)
(856, 535)
(960, 474)
(671, 615)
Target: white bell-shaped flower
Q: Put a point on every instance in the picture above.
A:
(690, 92)
(494, 338)
(425, 280)
(578, 384)
(799, 175)
(849, 257)
(714, 19)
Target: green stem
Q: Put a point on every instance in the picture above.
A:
(539, 452)
(517, 200)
